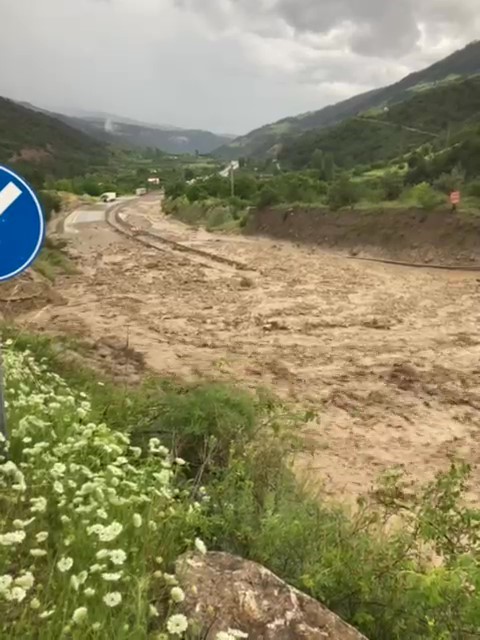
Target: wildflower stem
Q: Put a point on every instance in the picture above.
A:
(3, 416)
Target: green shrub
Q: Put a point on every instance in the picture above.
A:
(473, 189)
(392, 184)
(267, 197)
(51, 202)
(218, 217)
(426, 197)
(342, 193)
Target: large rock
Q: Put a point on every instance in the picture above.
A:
(223, 591)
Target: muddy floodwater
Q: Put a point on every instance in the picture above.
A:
(388, 357)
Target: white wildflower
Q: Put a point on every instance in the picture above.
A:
(177, 595)
(118, 556)
(200, 546)
(80, 615)
(170, 579)
(42, 536)
(96, 568)
(58, 487)
(111, 532)
(89, 592)
(64, 564)
(137, 520)
(35, 604)
(82, 577)
(38, 553)
(46, 614)
(74, 583)
(96, 626)
(26, 581)
(153, 611)
(16, 593)
(112, 599)
(39, 505)
(236, 633)
(177, 624)
(11, 538)
(111, 577)
(21, 524)
(58, 470)
(180, 461)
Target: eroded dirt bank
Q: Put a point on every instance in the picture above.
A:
(388, 357)
(438, 237)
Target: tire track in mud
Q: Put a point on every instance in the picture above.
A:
(152, 240)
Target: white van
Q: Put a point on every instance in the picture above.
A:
(109, 196)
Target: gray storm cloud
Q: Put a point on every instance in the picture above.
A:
(377, 27)
(223, 65)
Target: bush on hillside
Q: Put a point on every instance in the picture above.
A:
(392, 184)
(473, 189)
(342, 193)
(51, 203)
(267, 197)
(426, 197)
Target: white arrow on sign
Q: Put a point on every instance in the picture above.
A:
(8, 195)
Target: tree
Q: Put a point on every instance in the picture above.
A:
(91, 187)
(196, 192)
(342, 193)
(426, 196)
(175, 189)
(245, 186)
(318, 160)
(392, 183)
(267, 197)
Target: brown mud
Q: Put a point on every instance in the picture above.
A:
(388, 357)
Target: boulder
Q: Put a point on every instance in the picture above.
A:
(226, 592)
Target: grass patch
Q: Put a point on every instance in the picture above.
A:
(95, 479)
(54, 261)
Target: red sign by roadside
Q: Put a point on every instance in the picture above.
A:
(455, 197)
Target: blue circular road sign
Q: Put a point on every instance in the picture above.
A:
(22, 225)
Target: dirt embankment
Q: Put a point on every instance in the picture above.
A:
(443, 238)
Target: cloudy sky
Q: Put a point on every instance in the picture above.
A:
(223, 65)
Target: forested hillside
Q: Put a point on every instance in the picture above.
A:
(30, 140)
(265, 140)
(436, 116)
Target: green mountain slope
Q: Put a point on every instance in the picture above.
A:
(430, 116)
(267, 140)
(31, 139)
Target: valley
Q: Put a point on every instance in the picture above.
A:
(386, 357)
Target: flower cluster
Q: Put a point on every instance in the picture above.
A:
(83, 512)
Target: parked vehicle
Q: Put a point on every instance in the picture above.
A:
(109, 196)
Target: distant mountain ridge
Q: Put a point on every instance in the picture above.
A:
(267, 140)
(127, 132)
(33, 139)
